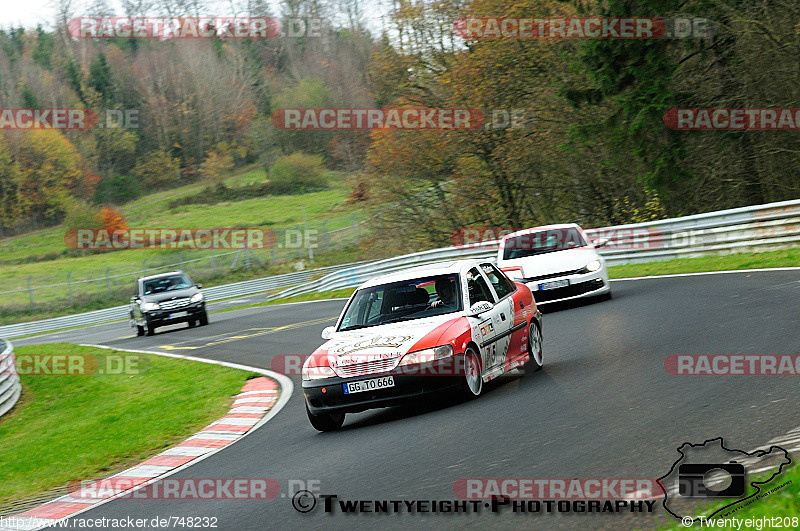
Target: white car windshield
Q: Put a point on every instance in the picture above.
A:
(403, 301)
(540, 242)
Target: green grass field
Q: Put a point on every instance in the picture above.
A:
(43, 255)
(74, 427)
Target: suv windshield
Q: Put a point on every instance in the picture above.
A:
(169, 283)
(546, 241)
(403, 301)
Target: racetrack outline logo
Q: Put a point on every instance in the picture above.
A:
(754, 484)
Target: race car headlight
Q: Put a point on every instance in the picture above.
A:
(317, 373)
(196, 297)
(427, 355)
(593, 266)
(150, 306)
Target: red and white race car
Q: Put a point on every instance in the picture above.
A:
(438, 328)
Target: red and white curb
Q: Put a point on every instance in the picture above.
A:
(258, 402)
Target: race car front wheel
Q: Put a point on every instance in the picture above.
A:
(534, 349)
(325, 421)
(472, 385)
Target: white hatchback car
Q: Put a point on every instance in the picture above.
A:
(557, 263)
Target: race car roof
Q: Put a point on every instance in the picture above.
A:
(438, 268)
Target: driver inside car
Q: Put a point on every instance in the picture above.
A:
(447, 294)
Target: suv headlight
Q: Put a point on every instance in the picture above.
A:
(150, 306)
(427, 355)
(593, 266)
(197, 297)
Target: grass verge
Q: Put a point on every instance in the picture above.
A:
(74, 427)
(768, 259)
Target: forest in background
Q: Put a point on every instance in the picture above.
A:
(595, 149)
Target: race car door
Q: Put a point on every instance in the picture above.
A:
(493, 325)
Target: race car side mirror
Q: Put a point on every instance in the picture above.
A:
(599, 243)
(479, 307)
(328, 331)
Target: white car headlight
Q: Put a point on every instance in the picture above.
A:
(196, 297)
(150, 306)
(593, 266)
(427, 355)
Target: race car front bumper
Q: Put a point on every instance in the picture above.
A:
(410, 384)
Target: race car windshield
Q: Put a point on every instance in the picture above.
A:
(170, 283)
(541, 242)
(403, 301)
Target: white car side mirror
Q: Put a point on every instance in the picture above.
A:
(599, 243)
(479, 307)
(328, 332)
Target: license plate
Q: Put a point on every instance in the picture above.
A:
(178, 314)
(368, 385)
(554, 285)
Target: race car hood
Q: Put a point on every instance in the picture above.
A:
(384, 342)
(551, 263)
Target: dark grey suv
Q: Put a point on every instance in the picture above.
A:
(166, 299)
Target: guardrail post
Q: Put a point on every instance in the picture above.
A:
(30, 292)
(355, 230)
(213, 261)
(144, 267)
(325, 242)
(180, 260)
(9, 379)
(299, 252)
(69, 287)
(108, 281)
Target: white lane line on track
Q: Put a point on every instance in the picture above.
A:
(705, 273)
(286, 392)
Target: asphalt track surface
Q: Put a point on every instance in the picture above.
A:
(604, 406)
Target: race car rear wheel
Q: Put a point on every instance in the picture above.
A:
(325, 421)
(534, 349)
(472, 385)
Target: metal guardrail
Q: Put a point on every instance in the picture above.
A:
(212, 294)
(753, 228)
(10, 386)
